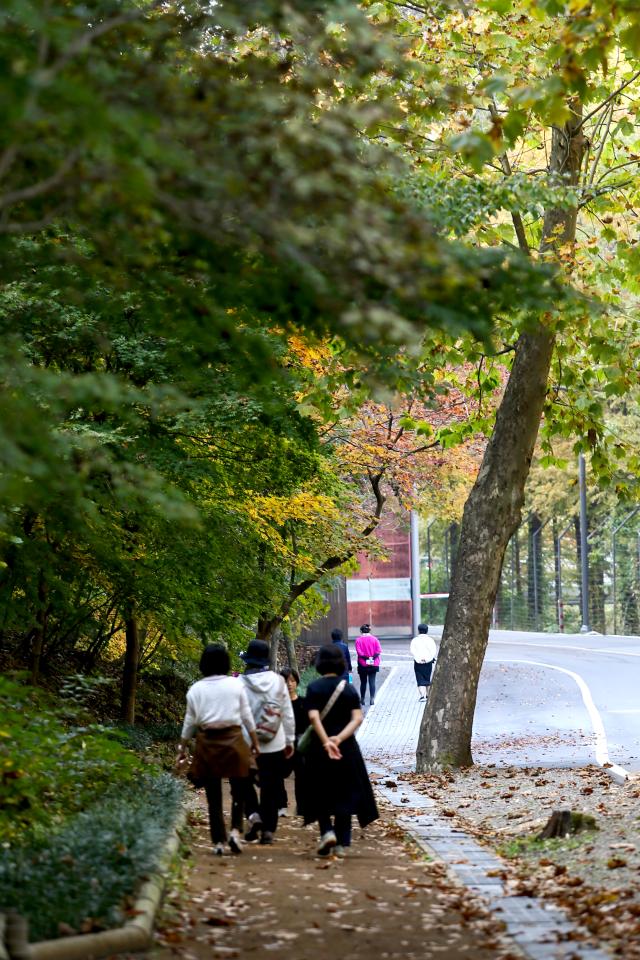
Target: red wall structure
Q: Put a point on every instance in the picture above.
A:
(380, 592)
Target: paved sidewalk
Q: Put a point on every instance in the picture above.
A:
(388, 739)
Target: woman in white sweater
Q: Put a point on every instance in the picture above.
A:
(217, 711)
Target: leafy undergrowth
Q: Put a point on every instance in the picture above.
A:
(84, 809)
(81, 877)
(594, 875)
(51, 768)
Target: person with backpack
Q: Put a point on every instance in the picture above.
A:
(272, 711)
(368, 651)
(217, 711)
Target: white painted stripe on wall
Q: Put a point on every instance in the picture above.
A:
(378, 588)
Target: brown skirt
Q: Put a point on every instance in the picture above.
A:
(219, 753)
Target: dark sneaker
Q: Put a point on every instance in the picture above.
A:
(253, 832)
(234, 842)
(267, 837)
(327, 843)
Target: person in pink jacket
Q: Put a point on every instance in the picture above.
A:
(368, 651)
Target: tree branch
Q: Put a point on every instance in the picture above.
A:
(505, 163)
(608, 100)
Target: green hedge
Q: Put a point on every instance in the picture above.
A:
(81, 875)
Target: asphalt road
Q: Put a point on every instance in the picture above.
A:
(553, 699)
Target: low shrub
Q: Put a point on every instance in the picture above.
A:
(78, 878)
(49, 769)
(308, 675)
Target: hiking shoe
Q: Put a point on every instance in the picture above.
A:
(253, 832)
(339, 850)
(234, 842)
(218, 849)
(327, 843)
(267, 837)
(283, 812)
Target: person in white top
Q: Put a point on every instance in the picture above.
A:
(276, 731)
(423, 650)
(217, 712)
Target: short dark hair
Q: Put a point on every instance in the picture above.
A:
(336, 635)
(329, 659)
(365, 628)
(215, 660)
(287, 672)
(423, 628)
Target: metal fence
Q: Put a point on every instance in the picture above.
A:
(544, 574)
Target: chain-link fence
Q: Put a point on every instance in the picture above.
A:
(541, 583)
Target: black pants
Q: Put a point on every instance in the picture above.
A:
(213, 790)
(270, 776)
(367, 675)
(341, 826)
(293, 765)
(423, 673)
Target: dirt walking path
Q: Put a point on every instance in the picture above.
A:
(385, 900)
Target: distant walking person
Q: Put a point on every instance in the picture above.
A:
(423, 650)
(336, 638)
(368, 650)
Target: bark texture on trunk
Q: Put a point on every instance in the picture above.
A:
(493, 510)
(130, 668)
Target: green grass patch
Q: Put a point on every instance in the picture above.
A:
(531, 846)
(82, 874)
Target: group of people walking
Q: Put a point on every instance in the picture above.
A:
(249, 730)
(255, 730)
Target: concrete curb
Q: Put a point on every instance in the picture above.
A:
(135, 934)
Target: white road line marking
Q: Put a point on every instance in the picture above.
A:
(601, 748)
(563, 646)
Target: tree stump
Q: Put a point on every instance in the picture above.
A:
(562, 823)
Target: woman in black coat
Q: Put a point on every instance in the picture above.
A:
(337, 785)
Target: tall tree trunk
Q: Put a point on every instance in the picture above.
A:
(577, 541)
(557, 572)
(290, 648)
(130, 668)
(534, 570)
(454, 541)
(274, 649)
(494, 507)
(40, 632)
(597, 593)
(491, 515)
